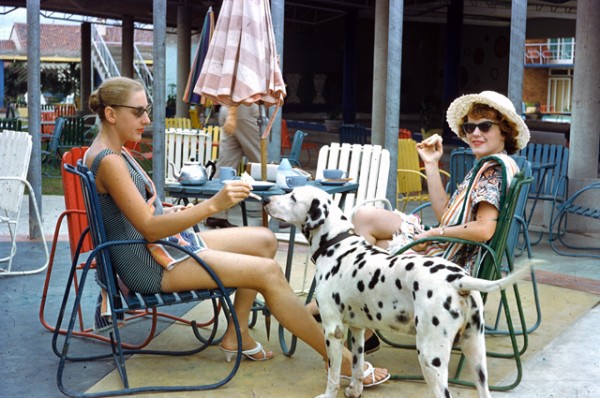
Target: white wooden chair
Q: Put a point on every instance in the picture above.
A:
(182, 145)
(369, 165)
(15, 152)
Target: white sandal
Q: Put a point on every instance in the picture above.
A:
(247, 353)
(369, 372)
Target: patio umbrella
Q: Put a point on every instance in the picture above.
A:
(208, 28)
(241, 66)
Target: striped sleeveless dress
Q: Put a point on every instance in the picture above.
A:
(134, 264)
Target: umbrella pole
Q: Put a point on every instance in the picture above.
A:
(262, 124)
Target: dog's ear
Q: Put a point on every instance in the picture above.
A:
(316, 215)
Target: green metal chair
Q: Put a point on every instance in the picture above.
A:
(490, 268)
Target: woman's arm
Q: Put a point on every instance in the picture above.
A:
(480, 230)
(113, 178)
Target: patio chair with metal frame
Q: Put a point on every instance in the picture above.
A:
(15, 154)
(79, 243)
(107, 277)
(490, 268)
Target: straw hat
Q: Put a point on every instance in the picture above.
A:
(461, 106)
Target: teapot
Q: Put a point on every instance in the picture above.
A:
(193, 173)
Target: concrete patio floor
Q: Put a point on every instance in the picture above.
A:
(561, 361)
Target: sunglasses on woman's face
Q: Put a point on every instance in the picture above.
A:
(138, 111)
(484, 127)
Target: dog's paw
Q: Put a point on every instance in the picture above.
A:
(354, 390)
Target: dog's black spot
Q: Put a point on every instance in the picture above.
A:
(481, 376)
(415, 286)
(447, 393)
(436, 362)
(428, 263)
(361, 349)
(374, 279)
(354, 359)
(435, 321)
(453, 268)
(336, 297)
(414, 294)
(473, 302)
(327, 275)
(452, 277)
(361, 286)
(352, 314)
(354, 273)
(342, 306)
(437, 268)
(382, 279)
(410, 266)
(416, 321)
(327, 343)
(448, 303)
(361, 264)
(392, 261)
(380, 304)
(399, 284)
(476, 319)
(429, 293)
(402, 317)
(378, 316)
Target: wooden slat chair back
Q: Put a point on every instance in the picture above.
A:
(11, 124)
(65, 110)
(178, 123)
(15, 154)
(183, 145)
(369, 165)
(354, 134)
(73, 132)
(410, 176)
(107, 277)
(554, 187)
(215, 133)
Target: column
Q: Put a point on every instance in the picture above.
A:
(379, 71)
(518, 25)
(159, 19)
(184, 39)
(86, 66)
(127, 38)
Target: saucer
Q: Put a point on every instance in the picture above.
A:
(330, 181)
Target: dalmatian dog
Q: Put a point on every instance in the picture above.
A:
(363, 286)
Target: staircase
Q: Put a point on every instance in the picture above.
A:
(106, 66)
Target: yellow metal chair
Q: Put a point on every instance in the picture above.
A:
(215, 133)
(195, 117)
(410, 175)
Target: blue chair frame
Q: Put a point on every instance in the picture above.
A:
(106, 276)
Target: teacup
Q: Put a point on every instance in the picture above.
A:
(333, 174)
(295, 181)
(227, 173)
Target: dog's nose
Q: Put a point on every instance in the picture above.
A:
(266, 200)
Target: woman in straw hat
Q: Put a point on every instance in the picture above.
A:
(489, 124)
(241, 257)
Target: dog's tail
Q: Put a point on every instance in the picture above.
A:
(486, 286)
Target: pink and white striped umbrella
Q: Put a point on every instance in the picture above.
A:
(241, 66)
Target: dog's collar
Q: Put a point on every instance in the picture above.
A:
(331, 242)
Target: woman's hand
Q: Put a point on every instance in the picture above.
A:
(431, 149)
(232, 193)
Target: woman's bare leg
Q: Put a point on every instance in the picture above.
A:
(376, 225)
(240, 264)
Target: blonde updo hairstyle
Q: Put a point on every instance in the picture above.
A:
(507, 127)
(113, 91)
